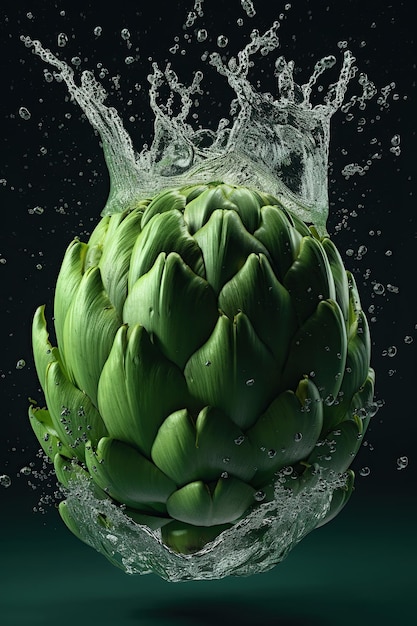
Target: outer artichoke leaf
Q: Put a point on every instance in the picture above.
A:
(167, 233)
(287, 431)
(70, 521)
(356, 372)
(115, 259)
(318, 350)
(46, 433)
(339, 499)
(196, 504)
(98, 236)
(309, 280)
(198, 211)
(170, 200)
(127, 476)
(73, 415)
(69, 278)
(225, 244)
(67, 470)
(162, 300)
(187, 538)
(355, 307)
(338, 449)
(43, 351)
(233, 371)
(147, 519)
(90, 327)
(279, 237)
(138, 389)
(188, 450)
(255, 291)
(248, 204)
(339, 276)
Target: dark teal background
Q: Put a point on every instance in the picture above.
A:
(360, 568)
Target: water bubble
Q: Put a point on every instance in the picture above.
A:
(247, 6)
(379, 289)
(365, 471)
(201, 34)
(20, 364)
(226, 459)
(408, 339)
(62, 40)
(259, 495)
(250, 382)
(26, 470)
(402, 462)
(222, 41)
(24, 113)
(272, 453)
(125, 34)
(129, 60)
(393, 288)
(97, 31)
(5, 480)
(298, 437)
(239, 440)
(395, 140)
(392, 351)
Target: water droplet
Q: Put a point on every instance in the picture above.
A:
(272, 453)
(226, 459)
(395, 140)
(5, 480)
(259, 495)
(250, 382)
(125, 34)
(207, 363)
(129, 60)
(97, 31)
(62, 40)
(222, 41)
(201, 34)
(224, 475)
(392, 351)
(24, 113)
(25, 470)
(402, 462)
(298, 437)
(239, 440)
(408, 339)
(247, 6)
(365, 471)
(20, 364)
(379, 289)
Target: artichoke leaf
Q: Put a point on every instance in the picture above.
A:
(279, 237)
(73, 415)
(199, 505)
(318, 351)
(188, 450)
(43, 351)
(151, 520)
(225, 244)
(339, 276)
(199, 210)
(90, 327)
(125, 475)
(233, 371)
(46, 433)
(309, 279)
(162, 300)
(287, 431)
(115, 259)
(170, 200)
(339, 499)
(164, 233)
(69, 278)
(138, 389)
(187, 538)
(255, 291)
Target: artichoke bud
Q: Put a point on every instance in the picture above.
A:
(208, 344)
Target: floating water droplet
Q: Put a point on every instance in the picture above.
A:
(392, 351)
(207, 363)
(247, 6)
(97, 31)
(26, 470)
(24, 113)
(365, 471)
(379, 289)
(62, 40)
(250, 382)
(125, 34)
(201, 34)
(20, 364)
(222, 41)
(395, 140)
(129, 60)
(402, 462)
(408, 339)
(5, 480)
(259, 495)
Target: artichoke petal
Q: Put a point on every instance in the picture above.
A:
(69, 278)
(162, 299)
(225, 244)
(164, 233)
(138, 389)
(255, 291)
(318, 350)
(287, 431)
(90, 327)
(339, 499)
(279, 237)
(43, 352)
(74, 417)
(187, 538)
(46, 433)
(309, 279)
(115, 259)
(188, 450)
(233, 371)
(197, 504)
(339, 276)
(127, 476)
(199, 209)
(170, 200)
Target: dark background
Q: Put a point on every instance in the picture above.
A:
(53, 160)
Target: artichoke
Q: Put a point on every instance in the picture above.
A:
(209, 345)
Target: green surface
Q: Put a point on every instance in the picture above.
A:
(359, 569)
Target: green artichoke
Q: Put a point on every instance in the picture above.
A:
(209, 345)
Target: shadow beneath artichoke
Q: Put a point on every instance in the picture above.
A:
(201, 612)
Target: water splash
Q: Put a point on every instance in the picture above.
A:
(276, 143)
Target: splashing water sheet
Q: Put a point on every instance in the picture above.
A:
(290, 100)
